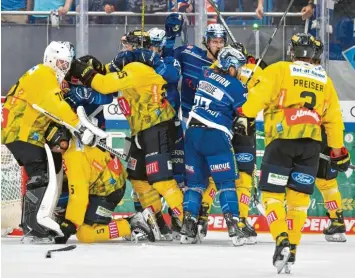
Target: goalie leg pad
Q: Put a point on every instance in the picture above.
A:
(100, 208)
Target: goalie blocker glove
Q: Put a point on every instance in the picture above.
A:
(340, 162)
(68, 229)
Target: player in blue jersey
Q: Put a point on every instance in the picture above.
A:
(210, 121)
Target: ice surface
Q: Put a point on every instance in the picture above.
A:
(215, 258)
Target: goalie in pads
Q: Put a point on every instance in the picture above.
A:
(97, 183)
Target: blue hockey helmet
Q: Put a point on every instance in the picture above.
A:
(215, 31)
(157, 37)
(230, 57)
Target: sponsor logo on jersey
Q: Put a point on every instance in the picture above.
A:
(115, 166)
(97, 165)
(152, 168)
(289, 224)
(244, 157)
(221, 80)
(113, 230)
(210, 90)
(212, 193)
(221, 167)
(189, 169)
(178, 152)
(5, 116)
(176, 211)
(170, 165)
(132, 163)
(271, 217)
(302, 178)
(124, 106)
(331, 205)
(104, 212)
(316, 73)
(277, 179)
(295, 116)
(244, 199)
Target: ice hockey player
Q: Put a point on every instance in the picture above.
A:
(151, 119)
(326, 181)
(23, 130)
(297, 97)
(245, 153)
(96, 185)
(218, 95)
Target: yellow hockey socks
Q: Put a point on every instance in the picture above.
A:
(331, 195)
(275, 212)
(172, 195)
(148, 196)
(243, 186)
(297, 206)
(209, 194)
(100, 232)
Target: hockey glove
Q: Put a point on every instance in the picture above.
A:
(122, 58)
(68, 229)
(341, 161)
(95, 63)
(83, 72)
(147, 57)
(244, 126)
(85, 136)
(173, 25)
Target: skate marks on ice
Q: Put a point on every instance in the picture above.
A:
(215, 257)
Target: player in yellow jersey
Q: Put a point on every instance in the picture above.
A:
(245, 152)
(97, 183)
(150, 116)
(327, 184)
(297, 97)
(23, 130)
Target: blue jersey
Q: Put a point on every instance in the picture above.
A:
(216, 100)
(91, 100)
(192, 59)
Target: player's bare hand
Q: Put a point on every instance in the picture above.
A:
(307, 12)
(260, 11)
(62, 11)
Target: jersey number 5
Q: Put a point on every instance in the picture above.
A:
(312, 96)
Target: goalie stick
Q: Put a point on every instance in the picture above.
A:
(76, 131)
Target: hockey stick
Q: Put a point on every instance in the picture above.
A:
(66, 248)
(143, 14)
(270, 41)
(76, 131)
(256, 201)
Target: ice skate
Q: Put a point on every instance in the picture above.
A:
(292, 259)
(189, 229)
(248, 230)
(282, 252)
(335, 232)
(140, 230)
(234, 232)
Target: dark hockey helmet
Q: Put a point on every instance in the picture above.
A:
(136, 37)
(319, 46)
(55, 134)
(302, 46)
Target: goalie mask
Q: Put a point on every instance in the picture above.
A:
(57, 137)
(302, 46)
(59, 56)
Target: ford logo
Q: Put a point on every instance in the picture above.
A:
(302, 178)
(245, 157)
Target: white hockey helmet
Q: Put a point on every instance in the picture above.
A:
(157, 37)
(59, 56)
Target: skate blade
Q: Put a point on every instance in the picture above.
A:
(201, 235)
(238, 241)
(339, 237)
(281, 264)
(138, 237)
(37, 240)
(176, 235)
(250, 240)
(187, 240)
(166, 237)
(288, 267)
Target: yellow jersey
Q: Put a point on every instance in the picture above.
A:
(297, 99)
(142, 95)
(90, 171)
(20, 121)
